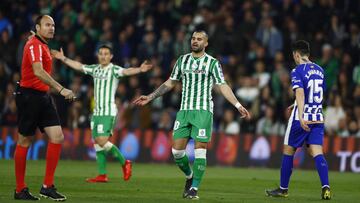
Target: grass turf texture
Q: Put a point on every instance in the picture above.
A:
(164, 183)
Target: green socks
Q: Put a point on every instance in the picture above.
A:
(115, 152)
(183, 164)
(199, 167)
(100, 159)
(182, 161)
(199, 170)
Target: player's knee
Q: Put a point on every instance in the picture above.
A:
(57, 138)
(200, 153)
(24, 141)
(107, 145)
(102, 140)
(315, 150)
(178, 154)
(98, 148)
(288, 150)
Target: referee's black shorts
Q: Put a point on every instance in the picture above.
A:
(35, 109)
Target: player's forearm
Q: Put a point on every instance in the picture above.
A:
(47, 79)
(227, 92)
(300, 100)
(164, 88)
(73, 64)
(131, 71)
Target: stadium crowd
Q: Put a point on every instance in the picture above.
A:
(251, 38)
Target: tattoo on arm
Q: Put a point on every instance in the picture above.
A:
(160, 91)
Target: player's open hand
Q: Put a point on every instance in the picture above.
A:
(32, 34)
(57, 54)
(145, 66)
(68, 94)
(304, 125)
(244, 112)
(142, 100)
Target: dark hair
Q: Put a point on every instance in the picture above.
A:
(203, 31)
(301, 46)
(38, 19)
(106, 46)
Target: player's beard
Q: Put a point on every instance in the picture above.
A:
(197, 50)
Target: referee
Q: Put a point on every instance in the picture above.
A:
(36, 109)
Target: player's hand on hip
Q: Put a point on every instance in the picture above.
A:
(304, 125)
(142, 100)
(289, 108)
(244, 112)
(68, 94)
(145, 66)
(57, 54)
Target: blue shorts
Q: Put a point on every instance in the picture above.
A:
(295, 136)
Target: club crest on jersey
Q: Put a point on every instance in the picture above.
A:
(202, 133)
(100, 128)
(194, 66)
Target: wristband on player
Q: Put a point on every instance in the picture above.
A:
(238, 105)
(61, 90)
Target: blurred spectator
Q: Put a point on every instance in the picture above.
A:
(9, 114)
(7, 48)
(269, 36)
(268, 125)
(165, 122)
(181, 44)
(343, 129)
(165, 49)
(5, 24)
(229, 125)
(261, 75)
(330, 65)
(333, 114)
(147, 48)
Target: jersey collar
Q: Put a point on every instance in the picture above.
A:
(106, 67)
(192, 57)
(41, 40)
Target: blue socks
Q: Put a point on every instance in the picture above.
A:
(322, 169)
(287, 166)
(286, 170)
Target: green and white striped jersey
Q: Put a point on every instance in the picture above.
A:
(197, 77)
(106, 80)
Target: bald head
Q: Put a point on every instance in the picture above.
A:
(45, 26)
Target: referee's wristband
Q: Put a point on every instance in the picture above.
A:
(238, 105)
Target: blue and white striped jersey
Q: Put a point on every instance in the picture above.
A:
(310, 77)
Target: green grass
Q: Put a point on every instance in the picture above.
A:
(164, 183)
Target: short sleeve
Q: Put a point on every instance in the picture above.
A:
(118, 71)
(176, 72)
(217, 73)
(36, 53)
(296, 81)
(89, 69)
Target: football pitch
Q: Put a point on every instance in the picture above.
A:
(164, 183)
